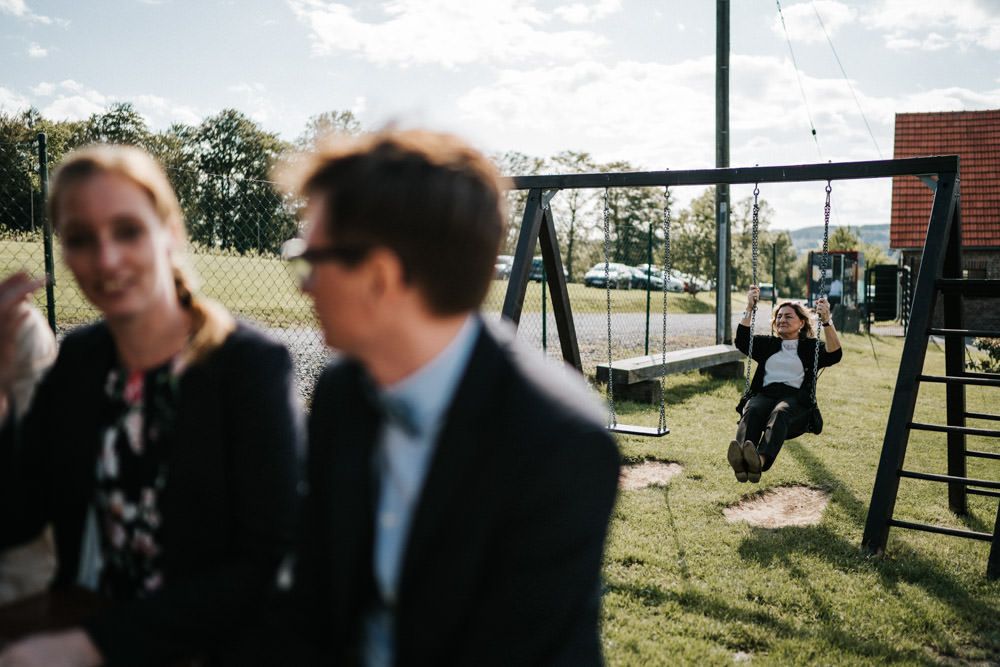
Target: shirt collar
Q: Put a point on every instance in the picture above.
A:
(424, 395)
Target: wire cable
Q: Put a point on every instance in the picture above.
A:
(798, 76)
(842, 71)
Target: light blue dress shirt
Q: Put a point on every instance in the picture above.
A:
(401, 461)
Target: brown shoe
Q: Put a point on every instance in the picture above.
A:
(735, 456)
(751, 459)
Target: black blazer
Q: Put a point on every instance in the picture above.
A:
(765, 346)
(502, 565)
(227, 506)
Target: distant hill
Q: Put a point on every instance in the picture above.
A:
(811, 238)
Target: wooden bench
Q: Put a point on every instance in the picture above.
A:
(637, 379)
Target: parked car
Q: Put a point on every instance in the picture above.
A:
(692, 284)
(619, 276)
(674, 284)
(504, 263)
(643, 277)
(768, 292)
(537, 268)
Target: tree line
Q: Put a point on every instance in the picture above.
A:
(220, 170)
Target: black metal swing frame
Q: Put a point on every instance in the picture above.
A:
(538, 225)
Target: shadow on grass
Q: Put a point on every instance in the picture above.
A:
(769, 548)
(692, 386)
(740, 620)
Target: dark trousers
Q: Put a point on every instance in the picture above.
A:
(770, 416)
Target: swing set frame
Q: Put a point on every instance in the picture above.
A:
(538, 225)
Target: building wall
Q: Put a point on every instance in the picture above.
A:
(976, 263)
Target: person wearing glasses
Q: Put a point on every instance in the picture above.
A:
(779, 404)
(162, 444)
(460, 487)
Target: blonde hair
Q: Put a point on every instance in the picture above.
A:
(210, 322)
(807, 330)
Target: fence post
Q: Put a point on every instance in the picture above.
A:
(649, 279)
(50, 272)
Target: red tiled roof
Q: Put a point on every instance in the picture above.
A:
(975, 137)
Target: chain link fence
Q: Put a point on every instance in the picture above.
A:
(236, 227)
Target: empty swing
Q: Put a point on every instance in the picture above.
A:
(815, 424)
(613, 425)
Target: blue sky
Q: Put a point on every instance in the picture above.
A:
(621, 79)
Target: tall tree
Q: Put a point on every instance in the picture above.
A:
(631, 212)
(238, 207)
(513, 163)
(176, 148)
(742, 224)
(20, 188)
(574, 202)
(693, 236)
(119, 124)
(325, 124)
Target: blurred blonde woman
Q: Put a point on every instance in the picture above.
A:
(160, 446)
(780, 399)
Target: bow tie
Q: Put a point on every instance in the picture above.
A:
(392, 409)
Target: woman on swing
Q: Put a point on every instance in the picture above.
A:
(779, 403)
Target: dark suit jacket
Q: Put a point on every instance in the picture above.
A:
(503, 560)
(228, 504)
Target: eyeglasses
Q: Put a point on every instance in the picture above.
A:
(301, 259)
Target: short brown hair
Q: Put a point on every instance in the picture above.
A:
(429, 197)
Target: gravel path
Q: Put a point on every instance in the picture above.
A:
(310, 355)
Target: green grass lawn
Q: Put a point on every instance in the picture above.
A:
(683, 585)
(594, 300)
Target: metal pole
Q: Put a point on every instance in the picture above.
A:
(544, 323)
(649, 278)
(722, 236)
(50, 275)
(774, 274)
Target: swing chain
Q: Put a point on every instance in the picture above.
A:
(613, 418)
(666, 276)
(754, 253)
(822, 283)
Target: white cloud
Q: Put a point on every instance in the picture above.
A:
(803, 25)
(449, 33)
(949, 99)
(931, 26)
(160, 113)
(652, 115)
(73, 101)
(36, 51)
(579, 12)
(75, 107)
(19, 8)
(659, 116)
(44, 89)
(12, 102)
(254, 88)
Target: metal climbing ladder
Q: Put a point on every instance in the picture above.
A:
(940, 274)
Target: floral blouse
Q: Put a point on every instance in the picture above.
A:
(131, 474)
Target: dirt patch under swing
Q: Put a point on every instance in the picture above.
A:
(647, 473)
(783, 506)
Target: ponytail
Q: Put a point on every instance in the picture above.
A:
(210, 322)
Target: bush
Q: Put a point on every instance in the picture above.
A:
(991, 346)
